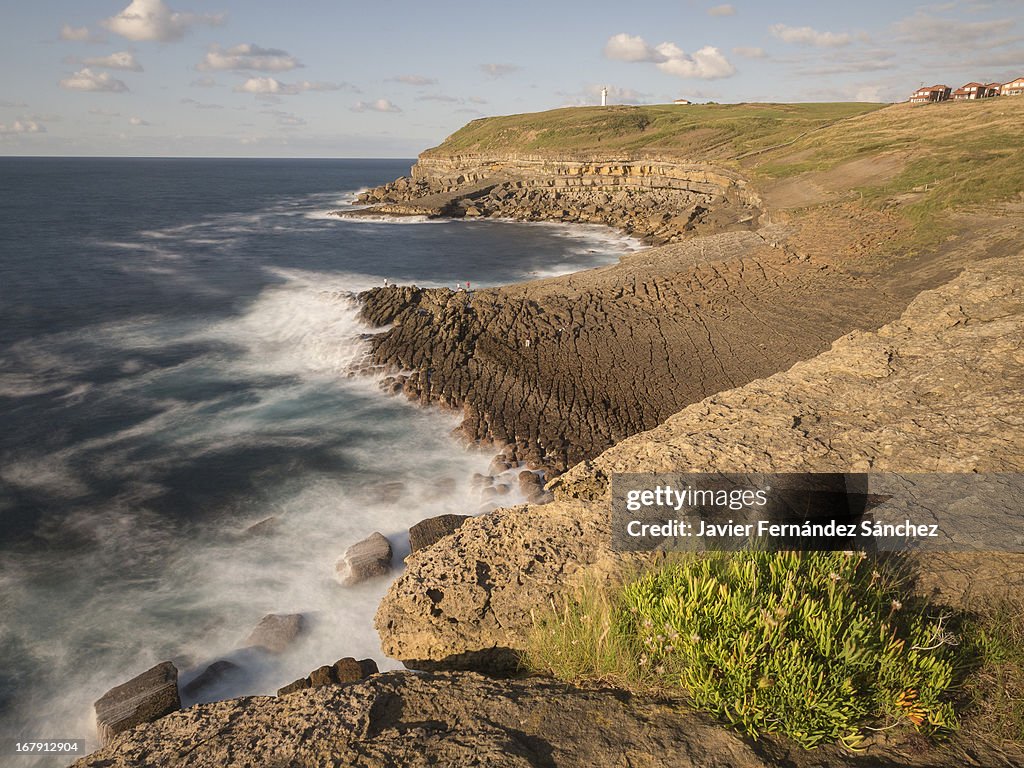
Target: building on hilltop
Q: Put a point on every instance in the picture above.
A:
(930, 93)
(974, 91)
(1013, 88)
(682, 101)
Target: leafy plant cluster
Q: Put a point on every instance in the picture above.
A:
(818, 647)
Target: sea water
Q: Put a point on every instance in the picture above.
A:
(175, 336)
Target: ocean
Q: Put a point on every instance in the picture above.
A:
(174, 341)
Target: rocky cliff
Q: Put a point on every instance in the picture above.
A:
(660, 202)
(939, 389)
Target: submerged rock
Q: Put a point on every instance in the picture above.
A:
(276, 631)
(143, 699)
(209, 677)
(364, 560)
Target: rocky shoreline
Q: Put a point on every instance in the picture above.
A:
(715, 350)
(657, 202)
(897, 399)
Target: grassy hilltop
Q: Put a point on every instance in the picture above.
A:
(714, 131)
(922, 160)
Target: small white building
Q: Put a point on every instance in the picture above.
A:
(682, 101)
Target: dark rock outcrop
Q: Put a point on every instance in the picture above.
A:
(342, 672)
(433, 529)
(143, 699)
(364, 560)
(563, 368)
(209, 677)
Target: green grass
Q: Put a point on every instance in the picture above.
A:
(954, 156)
(695, 132)
(817, 647)
(994, 686)
(957, 156)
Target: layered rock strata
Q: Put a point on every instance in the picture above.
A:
(657, 201)
(563, 368)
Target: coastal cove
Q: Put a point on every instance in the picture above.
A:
(178, 338)
(800, 310)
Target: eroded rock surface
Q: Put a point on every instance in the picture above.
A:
(939, 389)
(563, 368)
(462, 719)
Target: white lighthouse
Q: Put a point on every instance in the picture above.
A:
(604, 96)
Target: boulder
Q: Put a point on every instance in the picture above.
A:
(342, 672)
(498, 465)
(276, 631)
(143, 699)
(433, 529)
(364, 560)
(530, 483)
(210, 676)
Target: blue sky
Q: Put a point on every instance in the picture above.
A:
(389, 78)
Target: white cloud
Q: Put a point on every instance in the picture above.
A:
(269, 86)
(12, 104)
(810, 36)
(120, 60)
(499, 70)
(706, 64)
(750, 52)
(623, 47)
(79, 34)
(204, 82)
(248, 56)
(380, 105)
(21, 126)
(153, 20)
(137, 121)
(417, 80)
(722, 10)
(87, 80)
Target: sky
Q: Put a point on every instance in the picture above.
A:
(389, 78)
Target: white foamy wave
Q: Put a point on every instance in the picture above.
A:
(309, 324)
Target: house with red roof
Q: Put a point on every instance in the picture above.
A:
(929, 94)
(1013, 88)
